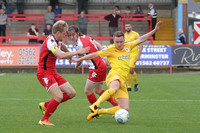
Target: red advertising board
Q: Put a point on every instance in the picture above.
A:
(19, 55)
(196, 32)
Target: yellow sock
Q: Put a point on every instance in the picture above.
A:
(105, 96)
(128, 81)
(110, 111)
(134, 76)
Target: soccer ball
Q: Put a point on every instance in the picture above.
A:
(121, 116)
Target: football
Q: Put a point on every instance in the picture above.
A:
(121, 116)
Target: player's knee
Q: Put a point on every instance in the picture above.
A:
(131, 71)
(98, 91)
(72, 94)
(126, 107)
(58, 98)
(87, 91)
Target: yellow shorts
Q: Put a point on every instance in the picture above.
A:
(122, 92)
(133, 59)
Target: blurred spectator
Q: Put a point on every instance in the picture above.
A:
(47, 31)
(181, 37)
(82, 6)
(128, 10)
(152, 14)
(113, 22)
(83, 21)
(53, 3)
(117, 10)
(20, 6)
(33, 32)
(10, 10)
(2, 5)
(3, 21)
(138, 10)
(57, 10)
(49, 16)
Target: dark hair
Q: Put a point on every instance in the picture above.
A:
(118, 34)
(75, 28)
(117, 7)
(128, 7)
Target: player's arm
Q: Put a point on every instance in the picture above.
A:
(149, 34)
(99, 46)
(67, 55)
(87, 57)
(140, 51)
(79, 62)
(64, 48)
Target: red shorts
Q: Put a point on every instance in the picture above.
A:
(49, 79)
(97, 75)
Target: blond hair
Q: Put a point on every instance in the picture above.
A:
(59, 26)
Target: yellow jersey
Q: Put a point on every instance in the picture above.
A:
(132, 36)
(119, 59)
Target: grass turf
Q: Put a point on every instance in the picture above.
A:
(164, 103)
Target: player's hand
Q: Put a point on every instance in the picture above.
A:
(84, 50)
(158, 25)
(70, 60)
(77, 67)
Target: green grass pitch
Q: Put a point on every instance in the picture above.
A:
(164, 104)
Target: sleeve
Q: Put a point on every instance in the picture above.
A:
(132, 44)
(182, 40)
(106, 52)
(52, 46)
(107, 17)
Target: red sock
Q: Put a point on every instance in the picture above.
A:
(47, 103)
(91, 98)
(52, 106)
(65, 97)
(111, 100)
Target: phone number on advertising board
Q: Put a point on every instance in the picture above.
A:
(27, 56)
(153, 63)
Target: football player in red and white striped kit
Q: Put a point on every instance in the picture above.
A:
(97, 66)
(55, 84)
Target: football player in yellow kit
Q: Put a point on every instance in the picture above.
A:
(130, 36)
(118, 55)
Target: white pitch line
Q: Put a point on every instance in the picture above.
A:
(132, 100)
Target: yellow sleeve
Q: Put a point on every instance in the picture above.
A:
(133, 44)
(54, 49)
(104, 52)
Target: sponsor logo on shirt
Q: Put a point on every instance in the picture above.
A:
(123, 57)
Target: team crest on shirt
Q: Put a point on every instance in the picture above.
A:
(117, 77)
(127, 49)
(131, 36)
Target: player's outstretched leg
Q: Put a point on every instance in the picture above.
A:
(93, 115)
(105, 96)
(111, 100)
